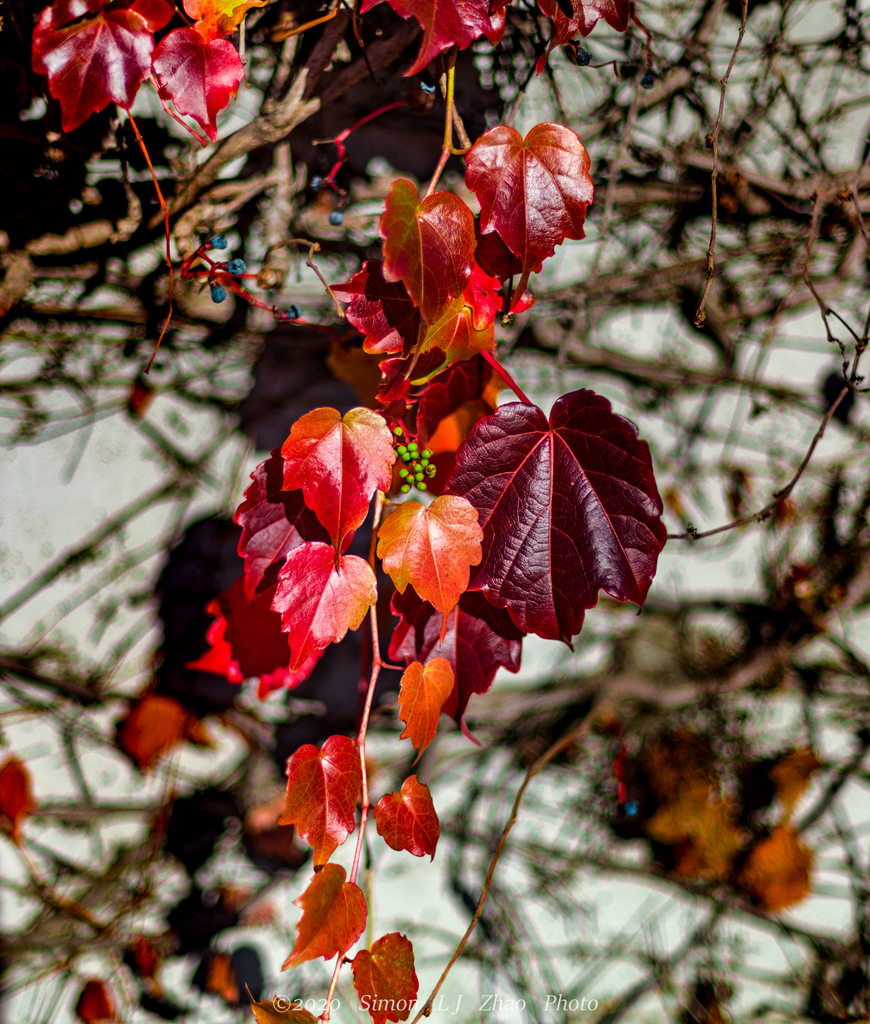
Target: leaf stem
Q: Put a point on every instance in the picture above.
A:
(507, 378)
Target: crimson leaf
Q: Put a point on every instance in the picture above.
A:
(407, 820)
(380, 310)
(584, 18)
(333, 917)
(385, 979)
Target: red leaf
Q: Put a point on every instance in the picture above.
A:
(95, 1004)
(407, 820)
(428, 245)
(461, 383)
(422, 694)
(385, 979)
(96, 53)
(567, 508)
(616, 13)
(431, 548)
(319, 603)
(154, 725)
(479, 639)
(534, 191)
(445, 22)
(339, 463)
(199, 77)
(333, 917)
(323, 787)
(273, 521)
(494, 257)
(16, 799)
(380, 310)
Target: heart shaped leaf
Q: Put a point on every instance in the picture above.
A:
(385, 979)
(407, 820)
(333, 917)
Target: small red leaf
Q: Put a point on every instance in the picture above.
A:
(385, 979)
(320, 602)
(428, 246)
(96, 53)
(16, 799)
(333, 917)
(339, 463)
(199, 77)
(323, 787)
(95, 1004)
(407, 820)
(154, 725)
(382, 311)
(422, 694)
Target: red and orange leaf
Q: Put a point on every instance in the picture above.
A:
(333, 917)
(385, 979)
(534, 191)
(407, 820)
(422, 694)
(279, 1010)
(323, 787)
(320, 602)
(199, 77)
(431, 548)
(586, 14)
(16, 798)
(777, 871)
(219, 17)
(154, 725)
(568, 507)
(95, 52)
(338, 463)
(382, 311)
(95, 1004)
(445, 22)
(455, 334)
(428, 246)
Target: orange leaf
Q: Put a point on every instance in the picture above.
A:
(16, 800)
(221, 978)
(385, 979)
(95, 1004)
(791, 776)
(422, 693)
(279, 1010)
(407, 820)
(155, 724)
(216, 18)
(777, 872)
(333, 917)
(432, 548)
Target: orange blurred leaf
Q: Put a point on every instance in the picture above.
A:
(791, 776)
(777, 871)
(279, 1010)
(155, 724)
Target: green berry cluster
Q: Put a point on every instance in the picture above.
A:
(416, 466)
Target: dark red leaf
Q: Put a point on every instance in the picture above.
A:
(385, 979)
(199, 77)
(460, 383)
(534, 191)
(323, 787)
(494, 257)
(407, 820)
(333, 917)
(380, 310)
(16, 799)
(567, 507)
(96, 53)
(273, 522)
(479, 640)
(445, 22)
(95, 1004)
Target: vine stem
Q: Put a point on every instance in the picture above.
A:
(377, 664)
(507, 378)
(552, 751)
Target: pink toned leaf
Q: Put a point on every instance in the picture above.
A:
(431, 548)
(407, 820)
(428, 245)
(273, 522)
(338, 463)
(199, 77)
(96, 53)
(319, 601)
(534, 191)
(323, 787)
(385, 979)
(422, 694)
(380, 310)
(568, 507)
(333, 917)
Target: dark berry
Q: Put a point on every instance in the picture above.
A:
(648, 80)
(293, 313)
(316, 182)
(580, 56)
(236, 267)
(336, 218)
(218, 293)
(218, 242)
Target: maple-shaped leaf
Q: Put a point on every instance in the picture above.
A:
(432, 548)
(154, 725)
(95, 1004)
(584, 17)
(323, 787)
(333, 917)
(568, 507)
(422, 694)
(534, 191)
(445, 23)
(279, 1010)
(199, 77)
(219, 17)
(382, 311)
(273, 522)
(478, 641)
(319, 601)
(338, 463)
(385, 979)
(96, 52)
(428, 245)
(16, 798)
(407, 820)
(777, 871)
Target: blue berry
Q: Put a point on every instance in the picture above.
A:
(648, 80)
(218, 242)
(236, 267)
(336, 218)
(218, 293)
(316, 181)
(293, 313)
(581, 56)
(427, 86)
